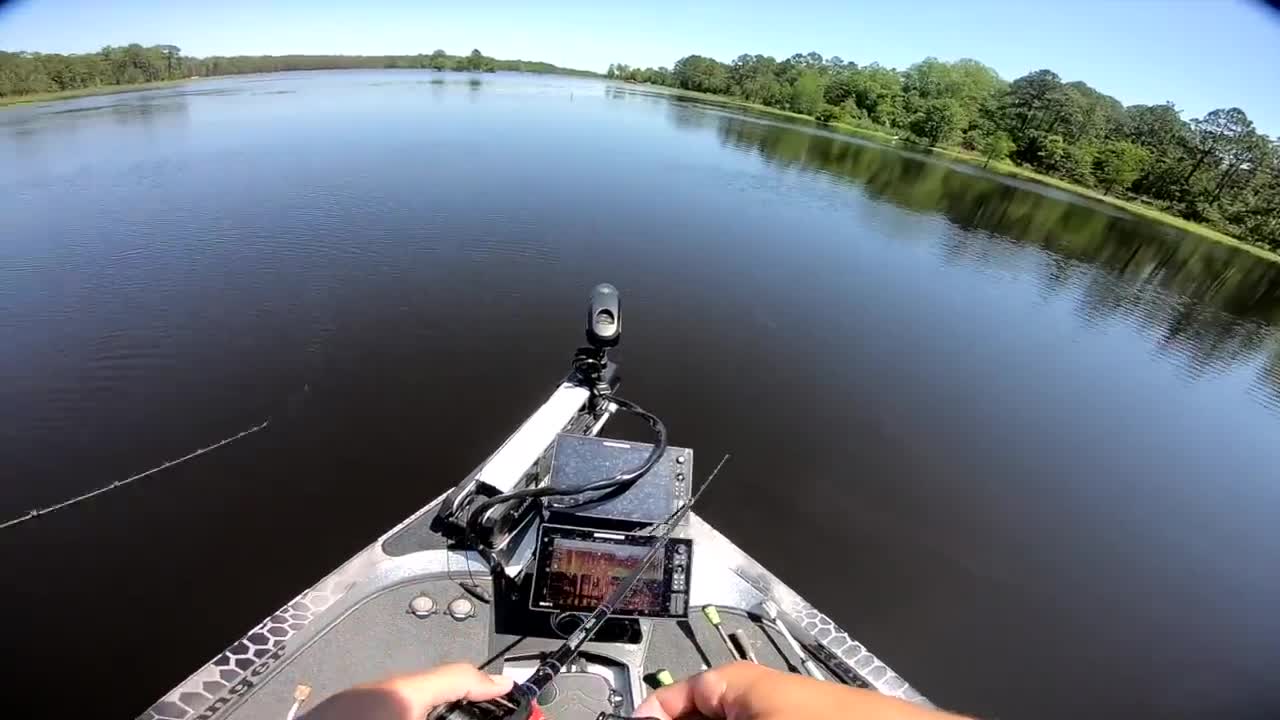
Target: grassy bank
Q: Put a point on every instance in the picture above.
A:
(997, 167)
(15, 100)
(1143, 211)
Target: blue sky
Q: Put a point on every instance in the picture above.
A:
(1201, 54)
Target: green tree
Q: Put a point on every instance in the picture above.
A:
(476, 61)
(995, 146)
(1045, 151)
(1029, 98)
(702, 74)
(1094, 114)
(965, 84)
(1216, 132)
(1247, 152)
(936, 120)
(1254, 214)
(1161, 130)
(1119, 163)
(172, 60)
(840, 87)
(828, 113)
(1158, 128)
(929, 79)
(878, 93)
(754, 78)
(806, 93)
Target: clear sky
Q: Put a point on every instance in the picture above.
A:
(1201, 54)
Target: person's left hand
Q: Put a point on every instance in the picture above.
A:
(411, 697)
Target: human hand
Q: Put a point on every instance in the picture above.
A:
(411, 697)
(746, 691)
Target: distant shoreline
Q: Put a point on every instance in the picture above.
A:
(17, 100)
(995, 167)
(34, 77)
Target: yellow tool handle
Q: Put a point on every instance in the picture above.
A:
(713, 615)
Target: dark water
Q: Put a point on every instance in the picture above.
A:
(1023, 447)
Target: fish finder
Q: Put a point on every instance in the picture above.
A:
(577, 568)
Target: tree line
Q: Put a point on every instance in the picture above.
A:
(26, 73)
(1080, 239)
(1217, 170)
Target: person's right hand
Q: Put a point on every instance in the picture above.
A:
(746, 691)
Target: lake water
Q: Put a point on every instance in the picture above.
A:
(1022, 446)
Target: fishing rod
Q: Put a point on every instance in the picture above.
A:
(284, 411)
(521, 702)
(37, 512)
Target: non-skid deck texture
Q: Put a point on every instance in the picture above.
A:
(381, 638)
(378, 639)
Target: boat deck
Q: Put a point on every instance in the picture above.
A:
(355, 627)
(380, 638)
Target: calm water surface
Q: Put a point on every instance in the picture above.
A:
(1023, 447)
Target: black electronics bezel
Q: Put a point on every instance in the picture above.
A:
(675, 595)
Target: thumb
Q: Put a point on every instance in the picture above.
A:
(702, 695)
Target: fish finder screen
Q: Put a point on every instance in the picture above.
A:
(582, 573)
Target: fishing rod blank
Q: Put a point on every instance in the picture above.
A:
(519, 703)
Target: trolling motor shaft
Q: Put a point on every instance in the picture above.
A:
(592, 380)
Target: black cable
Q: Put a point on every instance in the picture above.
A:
(611, 486)
(623, 481)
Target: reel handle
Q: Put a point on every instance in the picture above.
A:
(512, 706)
